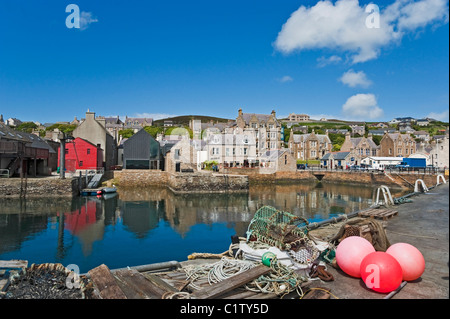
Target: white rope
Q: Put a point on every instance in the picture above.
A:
(218, 271)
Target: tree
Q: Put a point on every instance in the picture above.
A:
(377, 139)
(66, 128)
(26, 127)
(127, 133)
(153, 130)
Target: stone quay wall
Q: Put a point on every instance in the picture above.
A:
(41, 187)
(206, 183)
(181, 182)
(404, 180)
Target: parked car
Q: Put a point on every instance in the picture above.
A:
(355, 168)
(301, 166)
(368, 168)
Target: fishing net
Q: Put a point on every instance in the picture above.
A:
(368, 228)
(284, 231)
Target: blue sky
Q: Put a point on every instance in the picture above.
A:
(165, 58)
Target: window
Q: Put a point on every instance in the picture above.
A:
(390, 151)
(227, 151)
(285, 159)
(67, 151)
(81, 163)
(406, 151)
(245, 151)
(88, 151)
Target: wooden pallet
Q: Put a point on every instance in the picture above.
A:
(379, 213)
(130, 284)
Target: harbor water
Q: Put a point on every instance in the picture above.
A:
(144, 226)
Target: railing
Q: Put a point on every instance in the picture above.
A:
(9, 147)
(95, 170)
(427, 170)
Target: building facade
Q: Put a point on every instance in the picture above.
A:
(93, 129)
(298, 117)
(360, 146)
(142, 151)
(309, 146)
(268, 130)
(397, 145)
(81, 154)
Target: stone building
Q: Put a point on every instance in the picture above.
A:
(267, 129)
(235, 147)
(277, 161)
(439, 153)
(397, 145)
(113, 125)
(182, 157)
(298, 117)
(361, 147)
(94, 130)
(309, 146)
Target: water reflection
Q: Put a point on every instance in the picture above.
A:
(139, 226)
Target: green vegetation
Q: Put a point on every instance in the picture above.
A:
(26, 127)
(66, 128)
(209, 164)
(337, 140)
(179, 131)
(154, 130)
(377, 139)
(309, 162)
(433, 128)
(127, 133)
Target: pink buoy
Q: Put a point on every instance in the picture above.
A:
(410, 259)
(350, 252)
(381, 272)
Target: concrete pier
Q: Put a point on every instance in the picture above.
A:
(424, 224)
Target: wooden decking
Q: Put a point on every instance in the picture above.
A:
(379, 213)
(131, 284)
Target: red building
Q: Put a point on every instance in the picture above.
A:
(82, 154)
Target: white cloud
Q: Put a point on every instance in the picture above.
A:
(362, 106)
(443, 116)
(285, 79)
(342, 26)
(323, 61)
(354, 79)
(86, 19)
(418, 14)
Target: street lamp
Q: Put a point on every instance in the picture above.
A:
(62, 153)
